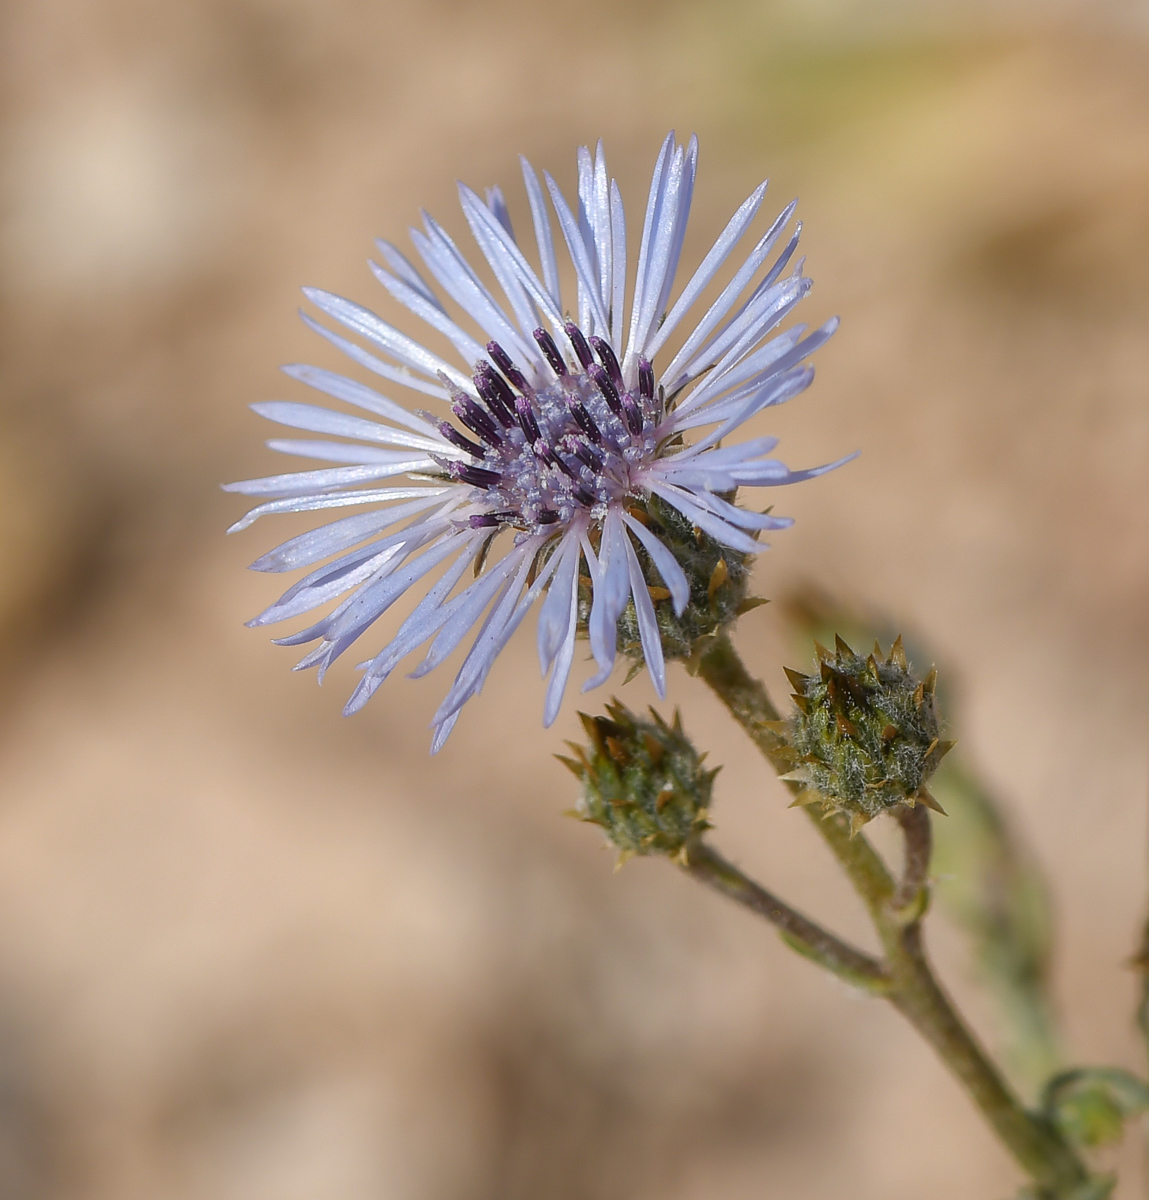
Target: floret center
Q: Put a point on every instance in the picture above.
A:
(540, 453)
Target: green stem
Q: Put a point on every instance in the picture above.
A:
(914, 990)
(802, 934)
(912, 895)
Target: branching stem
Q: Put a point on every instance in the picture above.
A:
(912, 893)
(804, 935)
(896, 910)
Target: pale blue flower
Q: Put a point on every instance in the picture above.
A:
(560, 428)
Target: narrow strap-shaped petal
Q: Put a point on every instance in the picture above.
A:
(386, 370)
(506, 616)
(685, 196)
(374, 598)
(365, 323)
(457, 278)
(544, 238)
(584, 268)
(442, 732)
(401, 265)
(357, 452)
(718, 529)
(723, 456)
(327, 500)
(663, 243)
(316, 419)
(504, 271)
(465, 346)
(489, 640)
(708, 268)
(740, 518)
(565, 590)
(600, 226)
(665, 563)
(797, 353)
(633, 350)
(322, 586)
(647, 622)
(350, 391)
(376, 569)
(742, 380)
(497, 203)
(730, 347)
(525, 272)
(422, 622)
(304, 483)
(468, 606)
(749, 476)
(618, 268)
(757, 310)
(727, 297)
(552, 614)
(310, 547)
(586, 219)
(776, 389)
(611, 590)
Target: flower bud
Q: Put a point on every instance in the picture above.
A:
(865, 733)
(642, 781)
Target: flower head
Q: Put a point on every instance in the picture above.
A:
(561, 434)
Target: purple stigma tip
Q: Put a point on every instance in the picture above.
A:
(476, 476)
(579, 343)
(550, 351)
(460, 440)
(608, 360)
(645, 379)
(503, 361)
(527, 422)
(605, 384)
(476, 420)
(632, 413)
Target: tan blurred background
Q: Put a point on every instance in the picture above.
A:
(250, 950)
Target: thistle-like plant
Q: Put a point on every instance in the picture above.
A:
(586, 460)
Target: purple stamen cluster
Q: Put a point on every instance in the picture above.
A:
(546, 451)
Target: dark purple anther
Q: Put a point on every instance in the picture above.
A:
(584, 497)
(579, 343)
(585, 421)
(550, 351)
(605, 384)
(484, 520)
(608, 360)
(476, 476)
(457, 439)
(645, 379)
(548, 455)
(584, 453)
(476, 420)
(500, 399)
(527, 422)
(548, 516)
(502, 360)
(632, 413)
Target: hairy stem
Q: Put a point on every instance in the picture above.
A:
(802, 934)
(914, 990)
(912, 893)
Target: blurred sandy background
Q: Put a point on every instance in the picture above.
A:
(250, 950)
